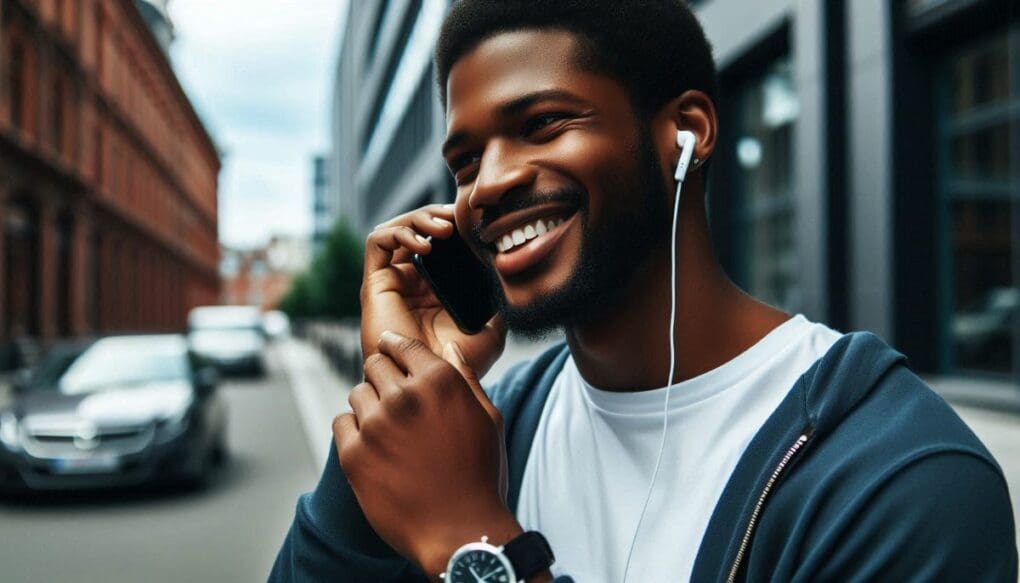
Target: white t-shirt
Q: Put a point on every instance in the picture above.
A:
(594, 453)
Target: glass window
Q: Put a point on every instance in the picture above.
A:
(979, 137)
(767, 109)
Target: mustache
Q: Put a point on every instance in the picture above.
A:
(572, 196)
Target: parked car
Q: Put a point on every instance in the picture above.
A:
(119, 411)
(230, 337)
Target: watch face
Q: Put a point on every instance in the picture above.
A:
(479, 566)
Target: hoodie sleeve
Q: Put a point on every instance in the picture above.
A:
(943, 517)
(331, 540)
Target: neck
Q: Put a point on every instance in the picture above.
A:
(628, 349)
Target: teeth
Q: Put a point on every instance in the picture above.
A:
(520, 236)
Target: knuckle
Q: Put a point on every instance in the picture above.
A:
(373, 362)
(408, 345)
(403, 403)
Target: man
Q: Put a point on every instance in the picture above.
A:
(788, 451)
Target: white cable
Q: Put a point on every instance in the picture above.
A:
(669, 382)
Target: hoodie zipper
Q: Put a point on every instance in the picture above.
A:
(753, 522)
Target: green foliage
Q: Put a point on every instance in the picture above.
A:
(332, 285)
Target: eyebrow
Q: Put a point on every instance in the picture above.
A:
(515, 107)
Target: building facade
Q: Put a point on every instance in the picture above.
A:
(323, 215)
(108, 180)
(261, 277)
(867, 175)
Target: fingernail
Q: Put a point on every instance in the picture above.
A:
(422, 240)
(377, 227)
(387, 336)
(442, 222)
(449, 207)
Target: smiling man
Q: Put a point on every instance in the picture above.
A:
(769, 448)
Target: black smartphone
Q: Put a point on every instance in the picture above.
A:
(463, 284)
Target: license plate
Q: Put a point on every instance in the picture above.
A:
(88, 465)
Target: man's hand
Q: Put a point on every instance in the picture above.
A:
(424, 453)
(394, 297)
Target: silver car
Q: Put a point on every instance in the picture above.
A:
(230, 337)
(119, 411)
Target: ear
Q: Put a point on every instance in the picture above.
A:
(692, 111)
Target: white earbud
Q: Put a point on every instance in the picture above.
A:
(687, 142)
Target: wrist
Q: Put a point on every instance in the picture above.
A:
(500, 526)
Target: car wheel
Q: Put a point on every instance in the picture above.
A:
(220, 455)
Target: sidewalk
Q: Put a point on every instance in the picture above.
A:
(321, 394)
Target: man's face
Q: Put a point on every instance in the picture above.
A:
(559, 185)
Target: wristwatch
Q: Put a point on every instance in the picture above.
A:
(481, 562)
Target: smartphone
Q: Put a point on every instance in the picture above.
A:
(463, 284)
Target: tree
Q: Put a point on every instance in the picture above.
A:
(332, 285)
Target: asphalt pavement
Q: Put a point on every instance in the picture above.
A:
(227, 532)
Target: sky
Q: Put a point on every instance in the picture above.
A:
(260, 74)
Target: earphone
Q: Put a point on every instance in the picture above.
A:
(687, 142)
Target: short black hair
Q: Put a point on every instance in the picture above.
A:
(655, 48)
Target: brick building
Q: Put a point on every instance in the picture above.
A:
(108, 179)
(262, 276)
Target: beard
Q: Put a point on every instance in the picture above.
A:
(612, 250)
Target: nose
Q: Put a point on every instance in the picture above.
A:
(500, 172)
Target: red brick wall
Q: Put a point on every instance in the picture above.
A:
(105, 136)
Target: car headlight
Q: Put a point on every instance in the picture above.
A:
(171, 427)
(9, 431)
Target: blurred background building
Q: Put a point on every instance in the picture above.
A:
(262, 276)
(108, 179)
(323, 213)
(868, 174)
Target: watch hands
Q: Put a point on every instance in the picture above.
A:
(475, 575)
(491, 573)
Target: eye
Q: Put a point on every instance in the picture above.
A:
(461, 164)
(540, 122)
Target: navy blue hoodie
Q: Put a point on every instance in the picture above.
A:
(862, 473)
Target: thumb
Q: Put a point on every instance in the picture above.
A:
(453, 354)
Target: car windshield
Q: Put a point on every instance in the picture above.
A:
(119, 362)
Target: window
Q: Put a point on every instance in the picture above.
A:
(766, 107)
(979, 195)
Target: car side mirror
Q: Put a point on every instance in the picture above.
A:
(206, 380)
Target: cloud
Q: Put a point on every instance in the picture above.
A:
(260, 74)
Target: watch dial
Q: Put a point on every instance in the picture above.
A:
(478, 567)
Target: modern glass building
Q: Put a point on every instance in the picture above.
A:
(868, 173)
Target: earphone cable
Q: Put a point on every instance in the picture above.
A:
(669, 381)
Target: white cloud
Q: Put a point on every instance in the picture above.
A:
(260, 74)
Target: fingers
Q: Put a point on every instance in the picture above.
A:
(383, 243)
(363, 399)
(383, 374)
(345, 432)
(435, 220)
(408, 353)
(407, 233)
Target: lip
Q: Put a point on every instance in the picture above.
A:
(519, 219)
(531, 253)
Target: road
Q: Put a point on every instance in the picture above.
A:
(227, 532)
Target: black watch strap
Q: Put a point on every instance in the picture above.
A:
(529, 554)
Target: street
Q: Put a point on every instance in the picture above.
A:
(279, 428)
(227, 532)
